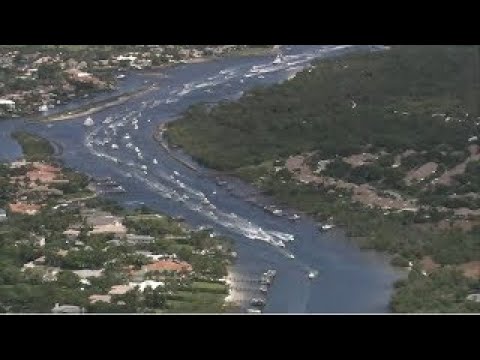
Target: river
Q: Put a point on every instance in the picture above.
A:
(120, 144)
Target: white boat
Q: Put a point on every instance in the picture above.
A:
(129, 145)
(312, 274)
(127, 136)
(114, 146)
(291, 256)
(121, 76)
(278, 59)
(327, 227)
(277, 212)
(88, 121)
(144, 167)
(294, 217)
(155, 161)
(43, 108)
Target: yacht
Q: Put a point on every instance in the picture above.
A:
(294, 217)
(88, 121)
(326, 227)
(278, 59)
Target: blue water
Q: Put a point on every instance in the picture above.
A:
(349, 280)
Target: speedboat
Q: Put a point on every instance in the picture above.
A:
(88, 121)
(278, 59)
(294, 217)
(326, 227)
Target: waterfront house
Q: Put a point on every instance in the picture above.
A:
(100, 298)
(67, 309)
(7, 104)
(474, 297)
(120, 289)
(168, 265)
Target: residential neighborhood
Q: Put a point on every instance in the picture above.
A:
(67, 251)
(36, 78)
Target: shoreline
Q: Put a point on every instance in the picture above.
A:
(152, 71)
(96, 107)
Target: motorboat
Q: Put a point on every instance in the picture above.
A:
(277, 212)
(155, 161)
(278, 59)
(294, 217)
(291, 256)
(88, 121)
(326, 227)
(312, 274)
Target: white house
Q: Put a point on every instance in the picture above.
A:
(7, 104)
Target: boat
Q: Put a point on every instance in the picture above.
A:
(312, 274)
(155, 161)
(277, 212)
(326, 227)
(263, 288)
(88, 121)
(254, 311)
(114, 146)
(257, 302)
(144, 167)
(294, 217)
(43, 108)
(278, 59)
(291, 256)
(121, 76)
(271, 273)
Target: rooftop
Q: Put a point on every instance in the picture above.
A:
(168, 265)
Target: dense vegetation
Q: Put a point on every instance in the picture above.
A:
(314, 111)
(33, 147)
(420, 98)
